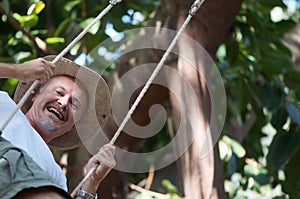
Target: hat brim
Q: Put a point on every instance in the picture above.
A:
(98, 108)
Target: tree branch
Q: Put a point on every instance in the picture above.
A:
(39, 43)
(152, 193)
(239, 133)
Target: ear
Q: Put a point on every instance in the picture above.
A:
(34, 95)
(33, 99)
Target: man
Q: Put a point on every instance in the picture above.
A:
(63, 113)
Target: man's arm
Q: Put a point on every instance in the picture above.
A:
(105, 157)
(38, 68)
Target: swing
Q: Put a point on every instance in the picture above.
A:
(194, 8)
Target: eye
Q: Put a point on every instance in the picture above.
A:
(59, 92)
(75, 104)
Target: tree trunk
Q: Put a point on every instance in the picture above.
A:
(209, 27)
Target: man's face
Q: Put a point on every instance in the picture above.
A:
(55, 109)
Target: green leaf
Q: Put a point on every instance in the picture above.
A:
(62, 27)
(26, 21)
(237, 148)
(39, 7)
(223, 149)
(70, 5)
(283, 146)
(170, 187)
(254, 19)
(279, 118)
(291, 185)
(10, 86)
(93, 41)
(17, 16)
(272, 95)
(94, 29)
(284, 26)
(254, 45)
(55, 40)
(293, 112)
(285, 51)
(292, 78)
(260, 174)
(12, 41)
(21, 56)
(74, 50)
(232, 50)
(36, 8)
(272, 3)
(273, 64)
(221, 52)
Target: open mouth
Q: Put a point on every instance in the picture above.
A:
(56, 112)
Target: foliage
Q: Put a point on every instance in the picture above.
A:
(256, 66)
(260, 78)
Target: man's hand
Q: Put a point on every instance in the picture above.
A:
(104, 157)
(39, 69)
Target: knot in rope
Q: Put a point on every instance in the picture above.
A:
(114, 2)
(195, 7)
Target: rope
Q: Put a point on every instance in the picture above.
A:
(60, 55)
(194, 8)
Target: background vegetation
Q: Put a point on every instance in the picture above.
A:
(259, 146)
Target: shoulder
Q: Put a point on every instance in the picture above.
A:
(6, 101)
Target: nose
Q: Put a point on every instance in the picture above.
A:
(63, 101)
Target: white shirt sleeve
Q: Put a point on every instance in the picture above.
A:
(22, 135)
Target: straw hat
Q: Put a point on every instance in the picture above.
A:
(98, 108)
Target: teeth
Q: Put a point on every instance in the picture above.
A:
(51, 109)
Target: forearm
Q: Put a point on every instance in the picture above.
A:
(97, 168)
(36, 69)
(91, 184)
(93, 181)
(8, 70)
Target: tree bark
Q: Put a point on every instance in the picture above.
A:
(209, 27)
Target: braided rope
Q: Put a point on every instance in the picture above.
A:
(60, 55)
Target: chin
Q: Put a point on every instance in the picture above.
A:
(46, 125)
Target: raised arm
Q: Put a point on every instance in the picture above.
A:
(29, 71)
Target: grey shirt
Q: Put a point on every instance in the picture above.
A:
(18, 172)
